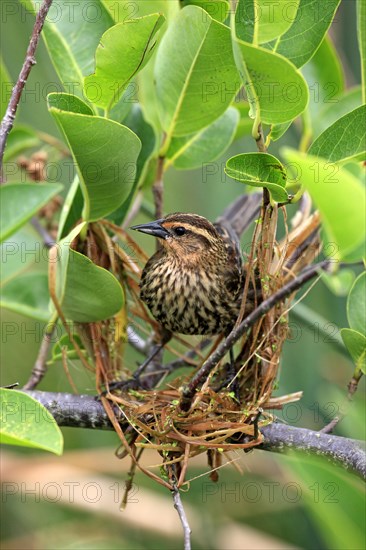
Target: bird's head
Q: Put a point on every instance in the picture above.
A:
(184, 235)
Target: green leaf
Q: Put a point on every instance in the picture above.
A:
(259, 170)
(327, 492)
(27, 423)
(278, 130)
(347, 102)
(245, 123)
(20, 201)
(189, 152)
(361, 33)
(68, 102)
(65, 342)
(267, 20)
(72, 209)
(20, 139)
(344, 140)
(85, 291)
(339, 282)
(217, 9)
(137, 123)
(27, 294)
(20, 251)
(355, 342)
(105, 153)
(325, 78)
(123, 10)
(281, 90)
(339, 196)
(356, 305)
(195, 73)
(72, 32)
(123, 50)
(121, 109)
(147, 96)
(303, 38)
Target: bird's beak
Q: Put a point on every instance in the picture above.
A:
(152, 228)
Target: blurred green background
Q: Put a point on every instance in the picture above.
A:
(277, 501)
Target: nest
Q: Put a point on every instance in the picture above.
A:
(224, 414)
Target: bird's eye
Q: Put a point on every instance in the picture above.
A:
(179, 231)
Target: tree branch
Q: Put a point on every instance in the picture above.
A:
(178, 505)
(8, 120)
(84, 411)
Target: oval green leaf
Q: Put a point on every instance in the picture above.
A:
(339, 196)
(356, 304)
(22, 250)
(217, 9)
(68, 102)
(20, 201)
(355, 342)
(124, 49)
(135, 120)
(259, 170)
(105, 153)
(72, 209)
(27, 294)
(189, 152)
(267, 20)
(325, 78)
(27, 423)
(195, 72)
(344, 140)
(64, 343)
(72, 32)
(281, 90)
(303, 38)
(85, 291)
(344, 104)
(19, 140)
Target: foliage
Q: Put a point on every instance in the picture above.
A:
(174, 85)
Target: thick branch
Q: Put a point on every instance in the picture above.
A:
(8, 120)
(84, 411)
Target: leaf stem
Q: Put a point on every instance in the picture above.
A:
(40, 366)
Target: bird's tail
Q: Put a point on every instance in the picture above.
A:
(241, 213)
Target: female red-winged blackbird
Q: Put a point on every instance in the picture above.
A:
(193, 284)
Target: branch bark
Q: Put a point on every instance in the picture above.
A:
(8, 120)
(84, 411)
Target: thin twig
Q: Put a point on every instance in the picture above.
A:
(178, 505)
(40, 368)
(306, 275)
(48, 241)
(138, 343)
(84, 411)
(352, 388)
(186, 360)
(9, 117)
(260, 141)
(133, 211)
(158, 189)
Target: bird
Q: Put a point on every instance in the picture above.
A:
(193, 284)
